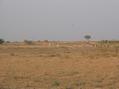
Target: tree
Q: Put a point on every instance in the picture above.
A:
(1, 41)
(87, 37)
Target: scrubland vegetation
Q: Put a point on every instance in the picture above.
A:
(59, 65)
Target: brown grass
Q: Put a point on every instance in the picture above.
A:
(69, 66)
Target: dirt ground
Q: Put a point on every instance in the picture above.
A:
(33, 67)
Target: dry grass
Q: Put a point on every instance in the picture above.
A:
(81, 66)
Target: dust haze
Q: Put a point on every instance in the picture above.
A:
(59, 19)
(59, 44)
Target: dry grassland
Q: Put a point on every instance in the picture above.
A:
(64, 67)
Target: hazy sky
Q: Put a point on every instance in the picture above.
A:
(59, 19)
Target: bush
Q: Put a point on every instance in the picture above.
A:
(1, 41)
(28, 42)
(46, 41)
(87, 37)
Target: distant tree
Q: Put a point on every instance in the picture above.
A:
(87, 37)
(1, 41)
(28, 42)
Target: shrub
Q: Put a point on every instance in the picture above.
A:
(87, 37)
(1, 41)
(46, 41)
(28, 42)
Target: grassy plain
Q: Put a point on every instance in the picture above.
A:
(66, 66)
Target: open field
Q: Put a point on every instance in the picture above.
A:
(69, 66)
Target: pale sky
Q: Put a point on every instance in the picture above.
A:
(59, 19)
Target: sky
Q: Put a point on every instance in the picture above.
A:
(59, 19)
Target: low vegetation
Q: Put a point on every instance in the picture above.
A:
(71, 65)
(2, 41)
(28, 42)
